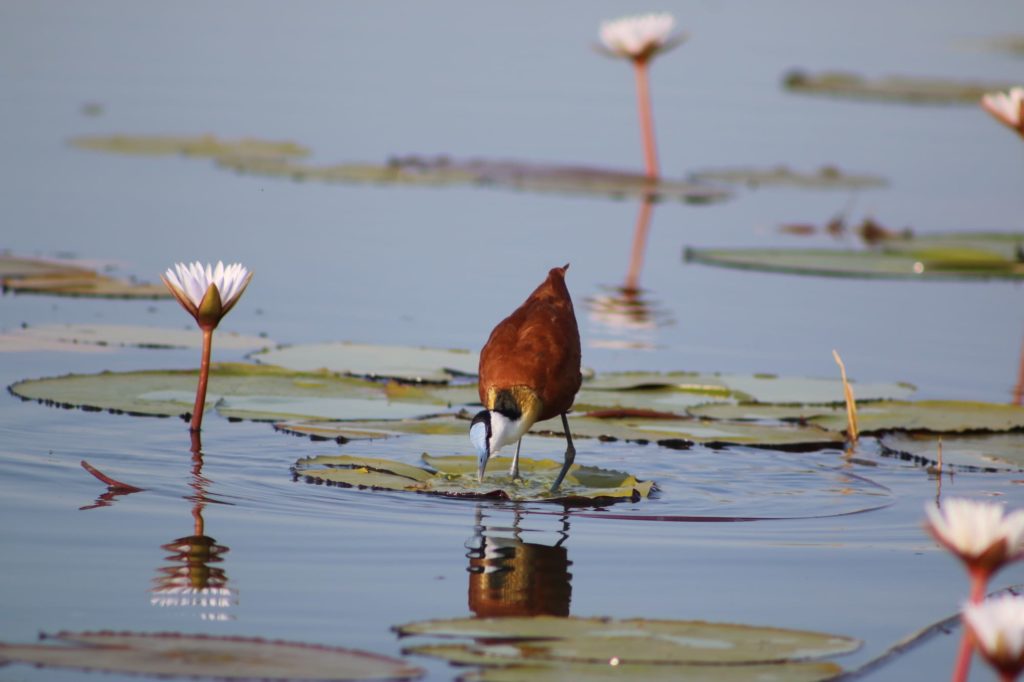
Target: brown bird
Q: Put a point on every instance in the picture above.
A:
(529, 372)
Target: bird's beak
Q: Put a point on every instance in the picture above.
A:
(482, 466)
(478, 436)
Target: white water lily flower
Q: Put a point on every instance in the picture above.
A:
(1006, 107)
(639, 37)
(982, 534)
(194, 286)
(997, 627)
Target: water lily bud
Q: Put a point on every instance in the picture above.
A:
(639, 37)
(981, 534)
(997, 630)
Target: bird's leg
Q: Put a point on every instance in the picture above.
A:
(514, 471)
(570, 455)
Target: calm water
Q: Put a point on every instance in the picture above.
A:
(441, 266)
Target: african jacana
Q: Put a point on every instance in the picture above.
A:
(529, 372)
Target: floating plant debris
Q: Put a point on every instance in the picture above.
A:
(935, 416)
(237, 390)
(72, 337)
(42, 276)
(529, 177)
(999, 451)
(827, 177)
(901, 89)
(614, 672)
(943, 256)
(180, 655)
(545, 641)
(404, 363)
(208, 146)
(456, 476)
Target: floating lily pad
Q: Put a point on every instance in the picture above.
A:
(938, 416)
(72, 336)
(180, 655)
(343, 431)
(901, 89)
(603, 672)
(1002, 451)
(457, 477)
(501, 174)
(61, 278)
(596, 640)
(939, 256)
(827, 177)
(198, 145)
(751, 387)
(236, 390)
(405, 363)
(707, 432)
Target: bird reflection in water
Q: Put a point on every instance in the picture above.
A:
(193, 579)
(509, 577)
(628, 309)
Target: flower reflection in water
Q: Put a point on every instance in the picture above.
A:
(193, 579)
(628, 310)
(509, 577)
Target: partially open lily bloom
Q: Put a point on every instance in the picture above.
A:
(207, 292)
(997, 629)
(982, 534)
(1006, 107)
(640, 37)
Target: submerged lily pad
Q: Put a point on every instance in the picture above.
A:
(501, 174)
(604, 672)
(937, 416)
(827, 177)
(197, 145)
(456, 476)
(405, 363)
(939, 256)
(1002, 451)
(73, 336)
(181, 655)
(236, 390)
(902, 89)
(631, 641)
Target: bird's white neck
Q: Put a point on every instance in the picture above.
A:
(505, 431)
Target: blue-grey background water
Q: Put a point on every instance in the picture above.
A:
(440, 266)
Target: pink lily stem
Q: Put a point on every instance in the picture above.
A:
(636, 260)
(643, 99)
(204, 376)
(1018, 389)
(979, 584)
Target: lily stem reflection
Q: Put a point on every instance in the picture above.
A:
(636, 258)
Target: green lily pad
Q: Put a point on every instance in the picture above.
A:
(676, 433)
(344, 431)
(925, 264)
(767, 388)
(180, 655)
(828, 177)
(14, 267)
(236, 390)
(71, 337)
(501, 174)
(457, 477)
(405, 363)
(901, 89)
(1001, 451)
(938, 416)
(597, 640)
(708, 432)
(198, 145)
(603, 672)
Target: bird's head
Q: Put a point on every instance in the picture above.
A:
(489, 431)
